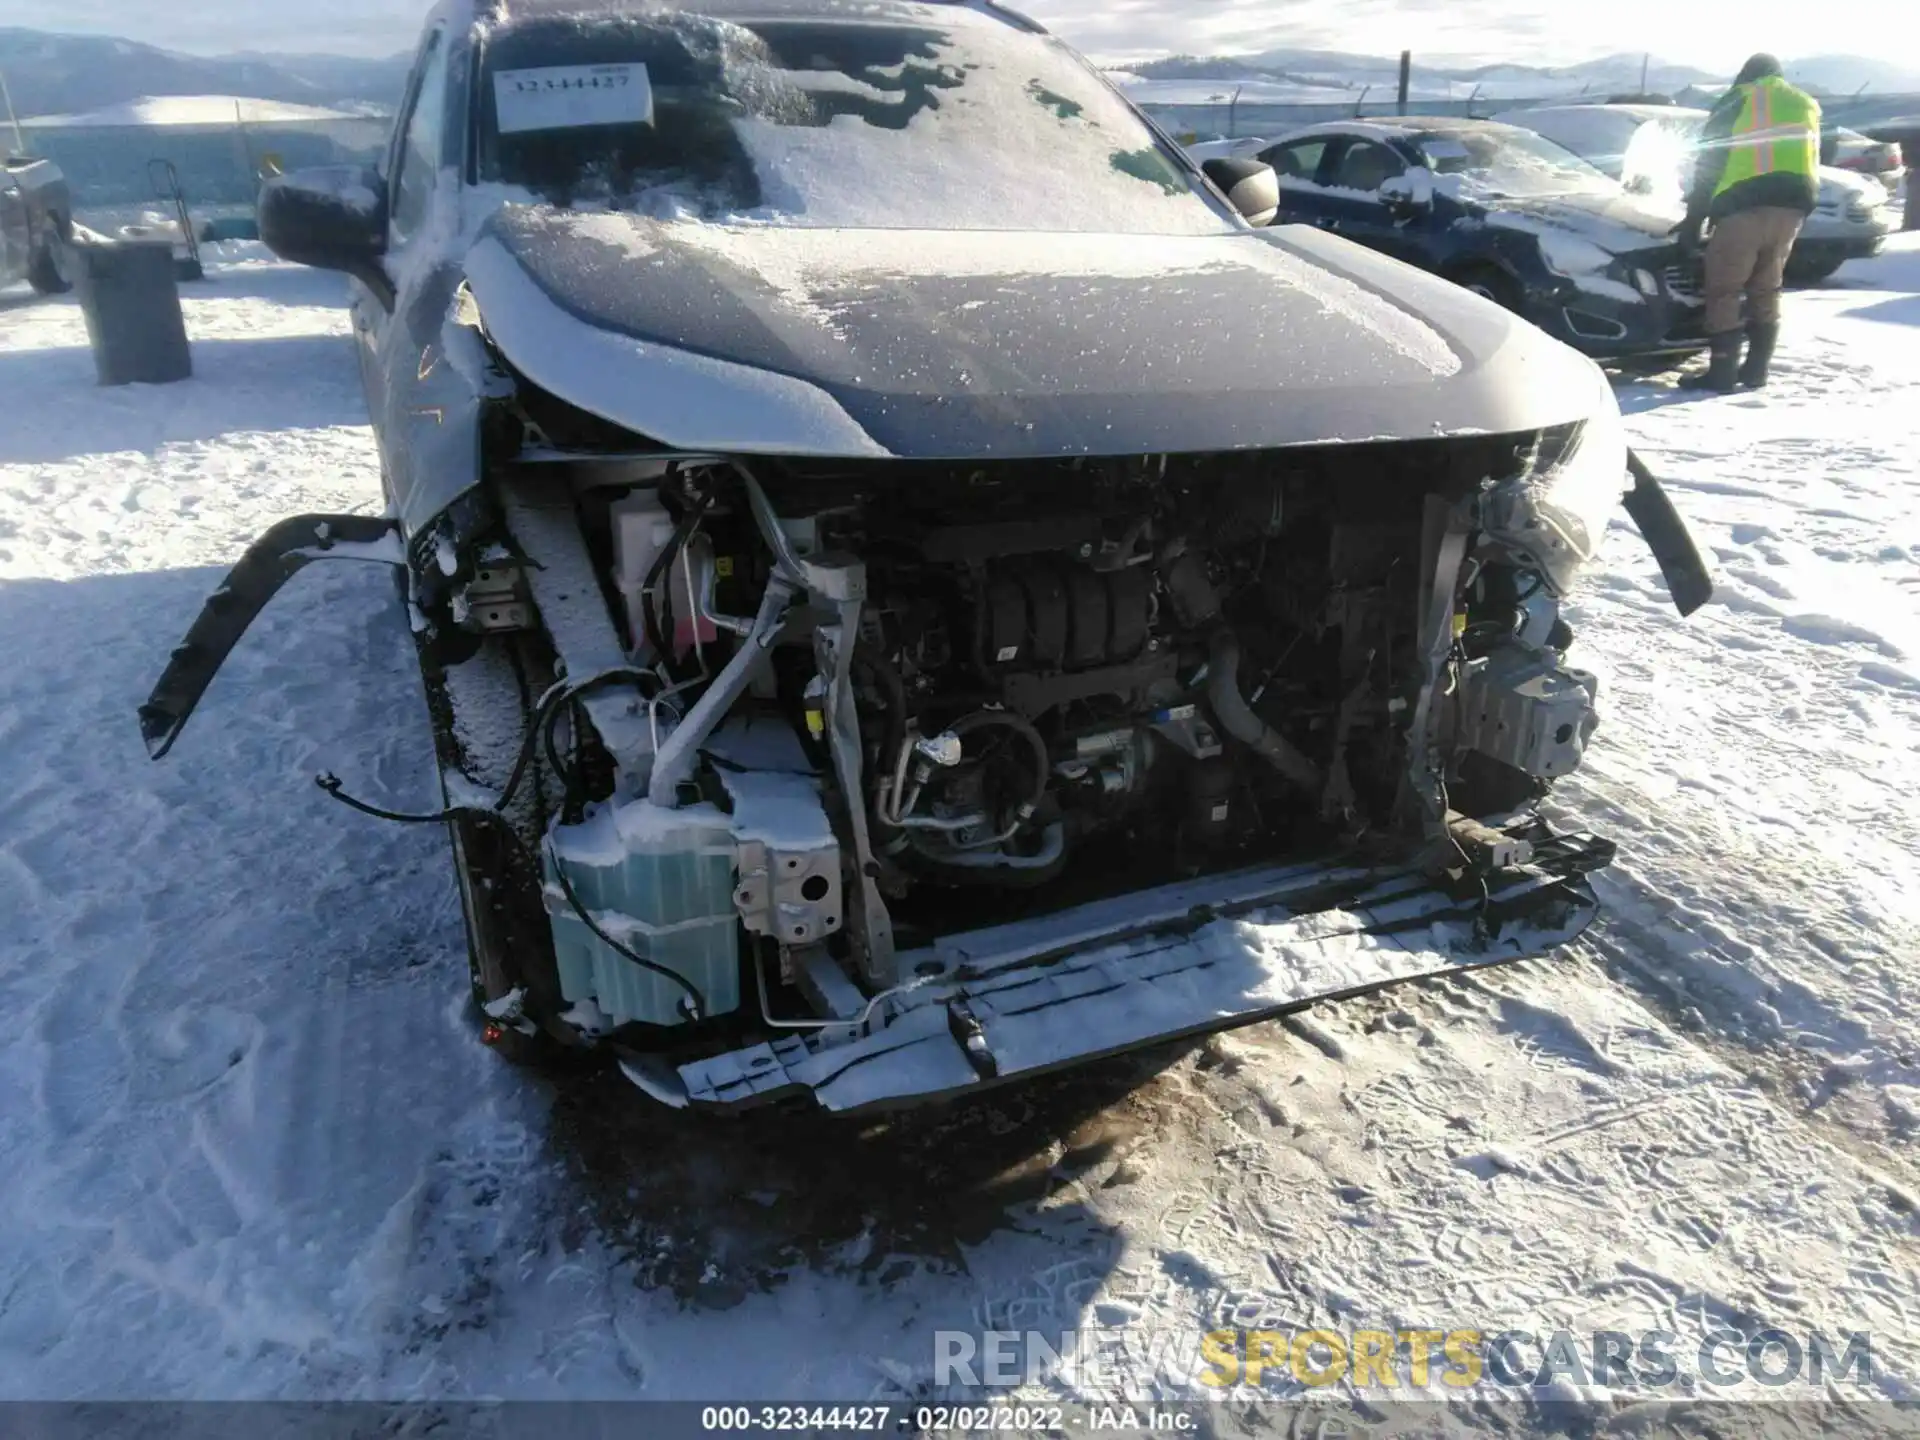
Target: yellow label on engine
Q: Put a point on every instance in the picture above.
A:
(723, 566)
(816, 723)
(1459, 624)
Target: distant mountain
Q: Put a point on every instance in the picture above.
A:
(1357, 72)
(1845, 74)
(51, 74)
(1611, 74)
(345, 77)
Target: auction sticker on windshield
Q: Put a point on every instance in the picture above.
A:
(568, 97)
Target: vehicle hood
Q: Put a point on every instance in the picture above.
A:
(1619, 223)
(1842, 187)
(948, 345)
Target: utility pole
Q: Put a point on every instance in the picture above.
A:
(1646, 63)
(246, 150)
(19, 140)
(1406, 77)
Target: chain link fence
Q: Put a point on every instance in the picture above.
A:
(107, 166)
(1229, 119)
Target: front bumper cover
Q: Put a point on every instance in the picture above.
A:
(1019, 1000)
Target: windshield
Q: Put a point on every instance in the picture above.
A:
(960, 122)
(1510, 164)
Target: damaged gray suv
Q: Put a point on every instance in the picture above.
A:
(916, 586)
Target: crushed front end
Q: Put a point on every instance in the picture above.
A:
(874, 781)
(887, 780)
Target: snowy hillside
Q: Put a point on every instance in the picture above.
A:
(254, 1147)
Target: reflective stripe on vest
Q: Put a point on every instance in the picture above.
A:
(1778, 130)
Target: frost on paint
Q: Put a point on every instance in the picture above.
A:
(946, 119)
(688, 400)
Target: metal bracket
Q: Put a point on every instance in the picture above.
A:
(559, 573)
(792, 895)
(833, 648)
(1485, 848)
(681, 751)
(1443, 549)
(495, 599)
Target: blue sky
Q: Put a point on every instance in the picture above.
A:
(1700, 32)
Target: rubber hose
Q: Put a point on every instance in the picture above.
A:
(1043, 762)
(1237, 718)
(866, 653)
(682, 532)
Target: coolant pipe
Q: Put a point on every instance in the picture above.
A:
(681, 752)
(1053, 844)
(1237, 718)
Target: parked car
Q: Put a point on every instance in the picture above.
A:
(36, 222)
(1222, 148)
(894, 548)
(1904, 131)
(1650, 148)
(1881, 160)
(1506, 214)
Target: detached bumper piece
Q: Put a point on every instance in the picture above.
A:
(272, 560)
(1018, 1000)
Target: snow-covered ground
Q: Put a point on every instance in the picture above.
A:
(253, 1147)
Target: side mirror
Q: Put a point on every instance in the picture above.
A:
(1408, 193)
(332, 217)
(1250, 187)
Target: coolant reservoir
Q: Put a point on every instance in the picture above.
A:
(642, 528)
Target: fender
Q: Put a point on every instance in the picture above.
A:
(272, 560)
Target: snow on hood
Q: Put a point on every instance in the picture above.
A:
(1619, 223)
(944, 344)
(688, 400)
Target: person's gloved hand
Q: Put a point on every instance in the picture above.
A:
(1687, 232)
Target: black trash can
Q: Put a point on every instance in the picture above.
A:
(132, 304)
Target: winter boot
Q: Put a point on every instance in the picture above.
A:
(1723, 367)
(1760, 341)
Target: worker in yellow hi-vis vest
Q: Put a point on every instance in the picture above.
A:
(1755, 177)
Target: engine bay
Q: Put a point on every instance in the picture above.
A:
(875, 703)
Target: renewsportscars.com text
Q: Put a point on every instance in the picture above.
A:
(1434, 1361)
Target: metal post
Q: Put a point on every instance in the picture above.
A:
(246, 150)
(19, 140)
(1406, 77)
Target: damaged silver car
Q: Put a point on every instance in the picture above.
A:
(917, 585)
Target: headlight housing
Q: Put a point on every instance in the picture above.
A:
(1555, 516)
(1569, 255)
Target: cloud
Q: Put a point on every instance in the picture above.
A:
(1530, 31)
